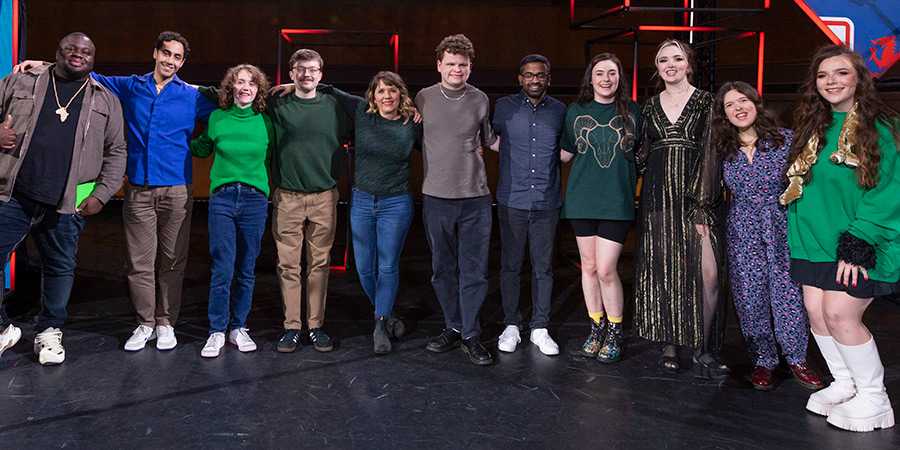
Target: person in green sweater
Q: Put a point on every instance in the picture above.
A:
(599, 138)
(844, 229)
(381, 208)
(241, 136)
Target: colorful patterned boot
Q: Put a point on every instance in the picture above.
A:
(612, 346)
(595, 340)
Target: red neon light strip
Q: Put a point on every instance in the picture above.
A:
(341, 268)
(634, 84)
(767, 4)
(571, 11)
(687, 4)
(396, 41)
(286, 31)
(15, 32)
(675, 28)
(760, 62)
(815, 18)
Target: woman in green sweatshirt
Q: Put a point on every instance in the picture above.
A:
(241, 136)
(844, 229)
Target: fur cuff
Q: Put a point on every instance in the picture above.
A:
(856, 251)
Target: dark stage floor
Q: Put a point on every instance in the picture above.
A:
(104, 397)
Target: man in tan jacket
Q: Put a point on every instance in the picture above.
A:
(62, 156)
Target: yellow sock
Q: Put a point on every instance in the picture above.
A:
(596, 316)
(614, 319)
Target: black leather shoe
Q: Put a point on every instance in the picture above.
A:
(448, 340)
(477, 353)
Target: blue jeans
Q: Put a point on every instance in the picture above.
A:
(379, 226)
(539, 229)
(56, 238)
(237, 219)
(459, 234)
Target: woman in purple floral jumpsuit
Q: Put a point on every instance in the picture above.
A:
(750, 153)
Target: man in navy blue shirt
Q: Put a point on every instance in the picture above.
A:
(530, 124)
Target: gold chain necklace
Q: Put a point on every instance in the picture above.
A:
(61, 112)
(680, 96)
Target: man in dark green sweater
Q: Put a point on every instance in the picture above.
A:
(310, 128)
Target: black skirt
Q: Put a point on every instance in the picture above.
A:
(823, 275)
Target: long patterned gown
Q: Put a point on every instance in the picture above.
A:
(668, 286)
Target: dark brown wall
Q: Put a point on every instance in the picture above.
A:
(224, 33)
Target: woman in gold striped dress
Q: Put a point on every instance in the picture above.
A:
(679, 244)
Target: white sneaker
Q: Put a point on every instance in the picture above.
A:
(139, 338)
(9, 337)
(165, 337)
(542, 339)
(509, 339)
(215, 343)
(240, 338)
(48, 346)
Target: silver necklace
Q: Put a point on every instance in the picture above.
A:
(465, 91)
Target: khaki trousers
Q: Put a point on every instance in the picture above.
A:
(300, 218)
(157, 227)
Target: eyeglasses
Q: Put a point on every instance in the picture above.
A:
(309, 70)
(528, 76)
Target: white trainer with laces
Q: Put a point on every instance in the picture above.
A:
(509, 339)
(541, 338)
(48, 346)
(215, 343)
(139, 338)
(241, 339)
(165, 337)
(9, 337)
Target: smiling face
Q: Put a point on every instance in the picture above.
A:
(605, 81)
(740, 110)
(75, 56)
(244, 89)
(672, 64)
(534, 80)
(306, 75)
(836, 82)
(169, 58)
(455, 70)
(387, 100)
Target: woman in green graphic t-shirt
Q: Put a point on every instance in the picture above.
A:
(599, 138)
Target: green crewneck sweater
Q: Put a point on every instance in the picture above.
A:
(310, 133)
(242, 142)
(833, 203)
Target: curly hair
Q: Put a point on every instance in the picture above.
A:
(390, 79)
(813, 115)
(226, 88)
(168, 36)
(622, 99)
(458, 44)
(724, 135)
(686, 50)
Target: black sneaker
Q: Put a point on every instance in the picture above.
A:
(321, 341)
(288, 341)
(448, 340)
(477, 353)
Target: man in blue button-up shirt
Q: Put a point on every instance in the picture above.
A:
(530, 124)
(160, 111)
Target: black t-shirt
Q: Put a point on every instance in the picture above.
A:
(45, 170)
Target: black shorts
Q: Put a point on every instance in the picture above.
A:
(823, 276)
(613, 230)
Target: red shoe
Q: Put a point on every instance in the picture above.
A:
(805, 376)
(762, 378)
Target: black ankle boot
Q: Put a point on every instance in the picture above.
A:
(395, 327)
(381, 337)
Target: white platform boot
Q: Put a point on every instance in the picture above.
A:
(841, 389)
(870, 408)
